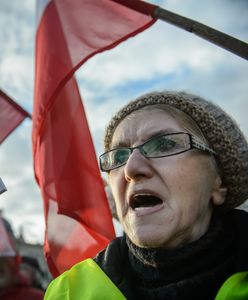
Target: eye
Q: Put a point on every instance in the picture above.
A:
(165, 144)
(119, 156)
(159, 145)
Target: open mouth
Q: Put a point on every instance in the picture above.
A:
(139, 201)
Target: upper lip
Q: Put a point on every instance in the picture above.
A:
(141, 192)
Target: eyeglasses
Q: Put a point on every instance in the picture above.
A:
(156, 147)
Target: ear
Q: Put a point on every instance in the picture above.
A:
(219, 192)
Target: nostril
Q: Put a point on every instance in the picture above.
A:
(128, 179)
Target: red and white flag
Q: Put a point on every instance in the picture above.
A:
(77, 215)
(11, 115)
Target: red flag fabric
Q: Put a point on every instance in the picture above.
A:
(78, 219)
(11, 115)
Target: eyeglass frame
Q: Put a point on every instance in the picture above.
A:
(194, 143)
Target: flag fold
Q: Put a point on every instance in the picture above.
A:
(77, 215)
(11, 115)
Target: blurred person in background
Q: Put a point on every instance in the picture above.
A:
(13, 285)
(31, 270)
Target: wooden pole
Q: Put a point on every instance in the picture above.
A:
(221, 39)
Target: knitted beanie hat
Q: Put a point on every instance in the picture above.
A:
(220, 130)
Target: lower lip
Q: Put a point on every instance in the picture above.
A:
(143, 211)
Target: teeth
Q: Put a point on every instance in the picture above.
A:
(142, 207)
(141, 195)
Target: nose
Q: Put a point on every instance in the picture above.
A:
(137, 166)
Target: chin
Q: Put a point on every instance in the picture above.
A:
(144, 242)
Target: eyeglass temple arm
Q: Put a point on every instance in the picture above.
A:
(201, 146)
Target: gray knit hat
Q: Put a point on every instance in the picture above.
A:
(220, 130)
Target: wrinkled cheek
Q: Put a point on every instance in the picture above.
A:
(129, 227)
(117, 187)
(120, 205)
(119, 211)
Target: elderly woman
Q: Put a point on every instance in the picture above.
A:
(177, 167)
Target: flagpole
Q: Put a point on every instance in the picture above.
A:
(214, 36)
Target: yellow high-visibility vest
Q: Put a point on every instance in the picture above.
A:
(87, 281)
(84, 281)
(234, 288)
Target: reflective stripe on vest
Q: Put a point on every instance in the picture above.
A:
(85, 281)
(234, 288)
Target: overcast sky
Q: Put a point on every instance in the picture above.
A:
(163, 57)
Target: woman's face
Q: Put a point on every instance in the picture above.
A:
(185, 186)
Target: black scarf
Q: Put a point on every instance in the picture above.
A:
(195, 271)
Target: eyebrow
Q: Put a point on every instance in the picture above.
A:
(147, 137)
